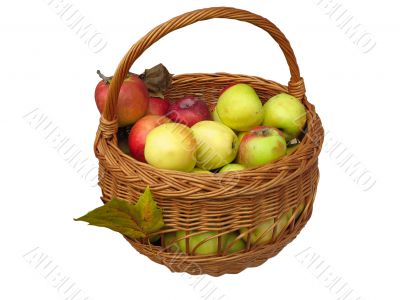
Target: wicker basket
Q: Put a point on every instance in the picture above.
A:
(214, 202)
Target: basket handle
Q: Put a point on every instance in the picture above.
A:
(296, 83)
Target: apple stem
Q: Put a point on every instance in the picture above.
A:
(106, 79)
(293, 142)
(261, 132)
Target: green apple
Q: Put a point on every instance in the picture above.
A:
(231, 168)
(207, 248)
(266, 229)
(169, 241)
(171, 146)
(198, 170)
(262, 234)
(228, 238)
(240, 108)
(240, 137)
(286, 113)
(291, 149)
(300, 210)
(282, 222)
(261, 146)
(217, 144)
(215, 116)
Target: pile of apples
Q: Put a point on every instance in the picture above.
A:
(239, 133)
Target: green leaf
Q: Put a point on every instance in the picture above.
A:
(133, 220)
(147, 213)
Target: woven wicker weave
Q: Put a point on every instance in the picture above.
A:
(214, 202)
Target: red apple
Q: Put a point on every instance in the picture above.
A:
(157, 106)
(139, 132)
(189, 110)
(133, 98)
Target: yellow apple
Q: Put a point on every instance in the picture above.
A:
(171, 146)
(217, 144)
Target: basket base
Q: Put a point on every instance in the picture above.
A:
(219, 265)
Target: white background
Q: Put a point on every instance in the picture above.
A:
(45, 66)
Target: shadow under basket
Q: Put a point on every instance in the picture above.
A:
(221, 203)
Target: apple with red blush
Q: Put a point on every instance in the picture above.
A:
(138, 134)
(133, 99)
(260, 146)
